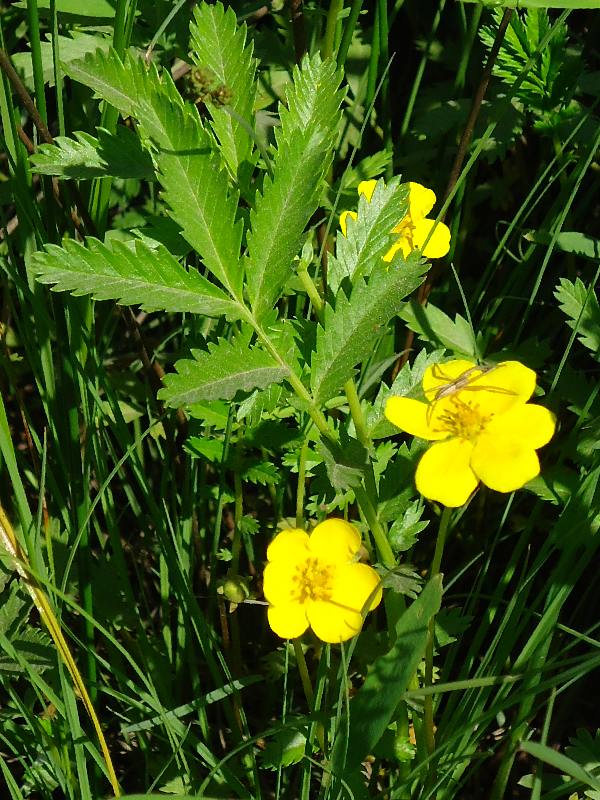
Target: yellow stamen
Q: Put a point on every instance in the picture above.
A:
(314, 580)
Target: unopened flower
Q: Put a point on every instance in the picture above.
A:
(315, 580)
(414, 231)
(483, 426)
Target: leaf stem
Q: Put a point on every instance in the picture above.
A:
(335, 7)
(435, 570)
(356, 413)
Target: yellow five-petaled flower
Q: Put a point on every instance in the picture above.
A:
(316, 580)
(414, 231)
(483, 426)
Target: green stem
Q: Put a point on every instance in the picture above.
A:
(383, 546)
(301, 485)
(435, 570)
(236, 546)
(312, 292)
(349, 28)
(356, 413)
(335, 7)
(303, 670)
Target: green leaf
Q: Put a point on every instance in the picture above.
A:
(346, 337)
(285, 748)
(373, 707)
(119, 155)
(220, 45)
(346, 463)
(583, 311)
(569, 242)
(560, 762)
(131, 273)
(219, 373)
(436, 327)
(91, 8)
(369, 237)
(195, 185)
(305, 144)
(70, 49)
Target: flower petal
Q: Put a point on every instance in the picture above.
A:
(431, 237)
(280, 583)
(333, 623)
(500, 387)
(504, 463)
(450, 375)
(401, 244)
(414, 417)
(367, 188)
(531, 424)
(289, 545)
(420, 201)
(288, 621)
(335, 541)
(353, 585)
(343, 220)
(444, 473)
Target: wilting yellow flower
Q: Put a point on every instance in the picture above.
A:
(483, 427)
(414, 229)
(316, 580)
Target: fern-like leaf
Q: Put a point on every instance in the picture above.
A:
(131, 273)
(583, 311)
(220, 45)
(119, 155)
(346, 337)
(220, 373)
(195, 185)
(304, 150)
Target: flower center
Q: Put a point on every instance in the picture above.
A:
(314, 580)
(464, 420)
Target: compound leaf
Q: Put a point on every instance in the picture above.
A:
(346, 337)
(583, 311)
(131, 273)
(368, 237)
(195, 184)
(219, 44)
(120, 155)
(220, 373)
(290, 197)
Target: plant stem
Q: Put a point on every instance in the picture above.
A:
(311, 291)
(303, 670)
(383, 546)
(356, 412)
(435, 570)
(335, 6)
(301, 485)
(237, 533)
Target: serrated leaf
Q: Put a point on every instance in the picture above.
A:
(402, 580)
(220, 373)
(404, 532)
(583, 311)
(305, 143)
(119, 155)
(368, 237)
(407, 382)
(220, 44)
(131, 273)
(195, 185)
(346, 337)
(33, 645)
(438, 328)
(346, 463)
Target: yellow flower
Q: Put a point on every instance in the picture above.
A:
(484, 428)
(316, 580)
(414, 229)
